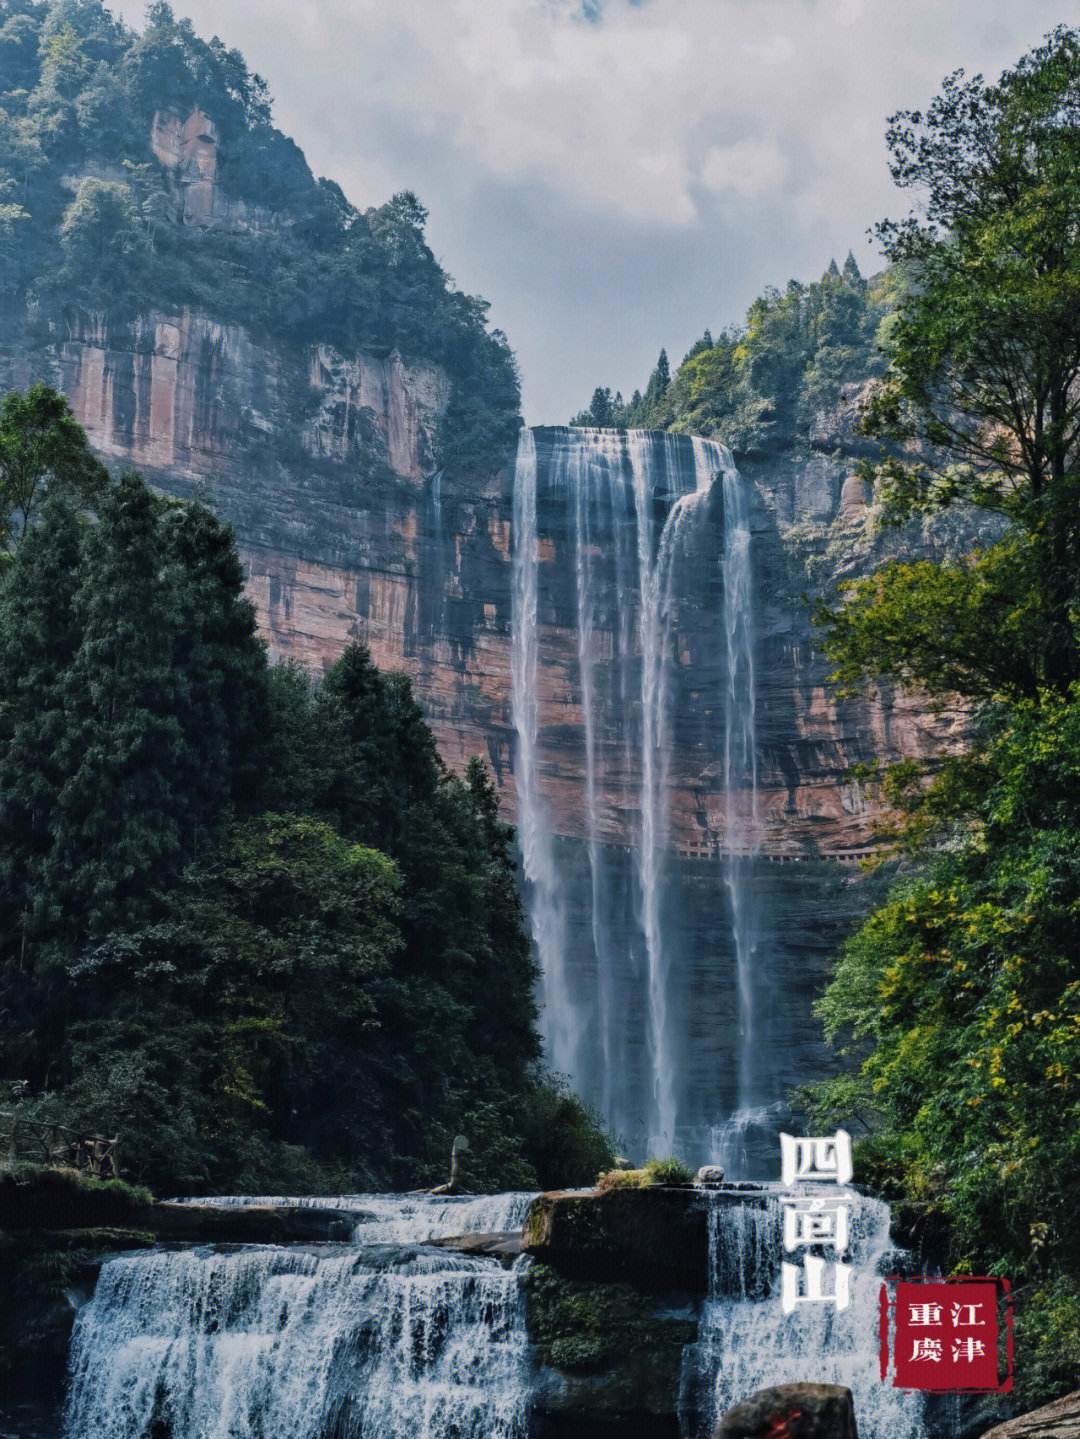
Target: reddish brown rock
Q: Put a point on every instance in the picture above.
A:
(792, 1411)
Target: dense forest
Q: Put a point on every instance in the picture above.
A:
(757, 387)
(88, 218)
(248, 921)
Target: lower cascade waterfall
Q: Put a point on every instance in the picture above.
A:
(305, 1343)
(745, 1341)
(387, 1339)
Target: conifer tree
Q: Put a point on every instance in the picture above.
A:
(122, 753)
(39, 636)
(41, 448)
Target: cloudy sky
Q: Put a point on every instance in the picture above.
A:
(614, 175)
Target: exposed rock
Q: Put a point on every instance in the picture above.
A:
(792, 1411)
(504, 1247)
(248, 1223)
(654, 1238)
(45, 1276)
(1060, 1420)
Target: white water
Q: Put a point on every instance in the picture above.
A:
(269, 1343)
(545, 900)
(408, 1218)
(745, 1341)
(627, 511)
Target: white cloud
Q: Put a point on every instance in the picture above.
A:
(749, 167)
(617, 183)
(624, 113)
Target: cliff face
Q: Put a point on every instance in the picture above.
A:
(324, 464)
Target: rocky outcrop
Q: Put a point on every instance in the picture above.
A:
(1060, 1420)
(654, 1238)
(792, 1411)
(247, 1223)
(608, 1358)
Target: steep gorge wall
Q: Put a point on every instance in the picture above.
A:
(324, 464)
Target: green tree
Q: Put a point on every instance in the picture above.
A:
(984, 354)
(958, 998)
(42, 448)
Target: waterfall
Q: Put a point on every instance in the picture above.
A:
(299, 1342)
(545, 901)
(605, 522)
(745, 1342)
(407, 1218)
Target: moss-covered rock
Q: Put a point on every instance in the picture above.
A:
(34, 1197)
(655, 1238)
(608, 1354)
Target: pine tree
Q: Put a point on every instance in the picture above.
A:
(851, 272)
(224, 698)
(656, 391)
(380, 758)
(39, 636)
(41, 448)
(118, 831)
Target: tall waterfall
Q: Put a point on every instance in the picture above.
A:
(614, 544)
(745, 1342)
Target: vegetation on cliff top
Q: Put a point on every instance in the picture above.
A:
(758, 387)
(248, 921)
(960, 995)
(89, 217)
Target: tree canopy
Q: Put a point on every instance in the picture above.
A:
(958, 999)
(246, 916)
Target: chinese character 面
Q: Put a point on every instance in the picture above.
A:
(814, 1270)
(825, 1158)
(815, 1221)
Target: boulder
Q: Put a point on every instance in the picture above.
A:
(792, 1411)
(654, 1238)
(1060, 1420)
(710, 1174)
(505, 1247)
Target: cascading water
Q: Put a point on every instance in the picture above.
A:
(745, 1342)
(377, 1340)
(298, 1342)
(629, 515)
(406, 1218)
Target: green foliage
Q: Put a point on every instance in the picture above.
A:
(668, 1171)
(973, 627)
(985, 347)
(79, 93)
(958, 999)
(760, 386)
(654, 1171)
(42, 450)
(250, 922)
